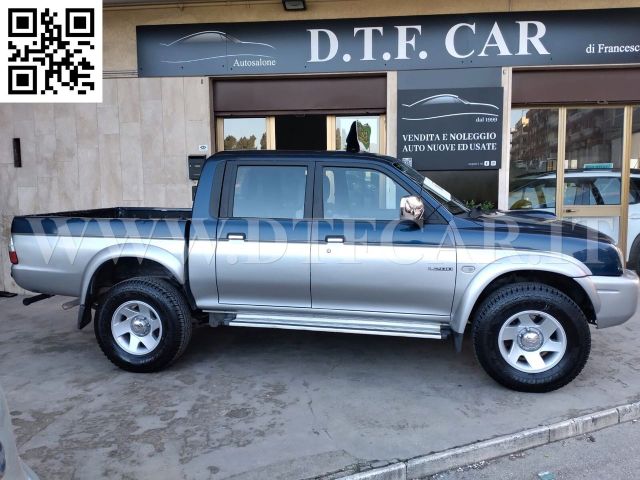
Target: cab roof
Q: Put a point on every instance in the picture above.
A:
(301, 155)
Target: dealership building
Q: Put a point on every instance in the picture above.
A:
(507, 103)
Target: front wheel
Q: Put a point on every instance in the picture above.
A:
(531, 337)
(143, 325)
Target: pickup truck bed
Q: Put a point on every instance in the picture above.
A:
(62, 246)
(135, 213)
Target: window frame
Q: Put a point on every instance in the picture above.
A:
(229, 185)
(318, 204)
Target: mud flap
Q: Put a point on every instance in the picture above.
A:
(84, 316)
(457, 341)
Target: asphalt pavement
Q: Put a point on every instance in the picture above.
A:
(255, 404)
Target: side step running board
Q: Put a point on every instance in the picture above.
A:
(343, 325)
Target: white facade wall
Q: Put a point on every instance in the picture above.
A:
(130, 150)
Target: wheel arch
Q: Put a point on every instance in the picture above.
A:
(560, 276)
(119, 263)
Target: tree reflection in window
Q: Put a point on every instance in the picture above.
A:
(243, 134)
(244, 143)
(367, 132)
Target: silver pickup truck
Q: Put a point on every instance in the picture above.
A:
(337, 242)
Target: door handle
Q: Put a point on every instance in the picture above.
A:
(334, 239)
(236, 236)
(570, 210)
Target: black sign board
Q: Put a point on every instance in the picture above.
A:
(450, 129)
(393, 43)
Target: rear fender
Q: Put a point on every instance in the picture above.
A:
(131, 250)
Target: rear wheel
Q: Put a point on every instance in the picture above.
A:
(531, 337)
(143, 325)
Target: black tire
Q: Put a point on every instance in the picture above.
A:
(498, 307)
(173, 312)
(634, 256)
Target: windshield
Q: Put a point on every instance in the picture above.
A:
(451, 203)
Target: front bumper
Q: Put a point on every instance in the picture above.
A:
(616, 297)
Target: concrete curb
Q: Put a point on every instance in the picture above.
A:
(423, 466)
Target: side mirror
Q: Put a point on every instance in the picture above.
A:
(412, 208)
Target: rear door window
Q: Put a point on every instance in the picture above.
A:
(270, 191)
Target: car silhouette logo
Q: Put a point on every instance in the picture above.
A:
(211, 45)
(446, 105)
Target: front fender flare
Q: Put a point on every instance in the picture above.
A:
(518, 261)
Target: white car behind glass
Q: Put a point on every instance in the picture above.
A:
(582, 188)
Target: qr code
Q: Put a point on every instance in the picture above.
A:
(51, 51)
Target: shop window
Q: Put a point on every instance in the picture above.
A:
(593, 143)
(534, 156)
(367, 130)
(594, 137)
(592, 157)
(585, 146)
(244, 133)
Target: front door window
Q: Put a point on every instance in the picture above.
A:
(360, 194)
